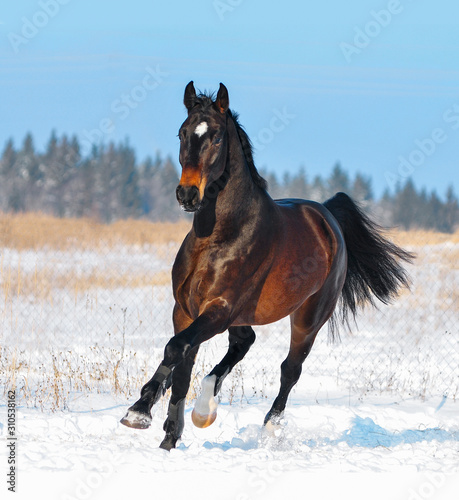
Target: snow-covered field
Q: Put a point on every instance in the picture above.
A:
(383, 400)
(85, 453)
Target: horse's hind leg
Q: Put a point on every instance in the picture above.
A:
(290, 373)
(240, 340)
(305, 324)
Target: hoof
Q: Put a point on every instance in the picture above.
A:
(273, 423)
(205, 409)
(136, 420)
(203, 421)
(168, 443)
(272, 429)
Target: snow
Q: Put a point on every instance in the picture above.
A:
(373, 416)
(319, 442)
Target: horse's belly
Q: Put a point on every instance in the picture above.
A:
(283, 293)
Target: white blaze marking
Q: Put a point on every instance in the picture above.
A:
(201, 129)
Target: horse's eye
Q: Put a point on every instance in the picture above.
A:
(217, 140)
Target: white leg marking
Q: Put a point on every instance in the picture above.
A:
(136, 420)
(205, 408)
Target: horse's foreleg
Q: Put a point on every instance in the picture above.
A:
(138, 415)
(175, 420)
(240, 340)
(212, 321)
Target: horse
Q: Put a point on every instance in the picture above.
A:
(250, 260)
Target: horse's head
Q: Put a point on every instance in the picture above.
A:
(203, 145)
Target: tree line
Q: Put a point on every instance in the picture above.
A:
(110, 184)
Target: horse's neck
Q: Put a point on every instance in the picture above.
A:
(239, 200)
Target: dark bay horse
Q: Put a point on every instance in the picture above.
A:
(249, 260)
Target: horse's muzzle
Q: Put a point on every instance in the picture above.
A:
(188, 197)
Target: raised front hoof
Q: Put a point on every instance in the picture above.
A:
(168, 442)
(203, 421)
(136, 420)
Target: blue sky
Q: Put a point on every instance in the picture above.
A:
(371, 84)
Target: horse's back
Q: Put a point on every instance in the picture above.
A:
(308, 215)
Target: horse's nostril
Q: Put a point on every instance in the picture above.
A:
(179, 193)
(188, 197)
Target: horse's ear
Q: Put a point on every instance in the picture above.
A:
(222, 101)
(189, 99)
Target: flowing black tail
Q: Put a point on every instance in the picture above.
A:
(373, 268)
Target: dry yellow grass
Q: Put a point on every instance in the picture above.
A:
(33, 231)
(24, 232)
(30, 231)
(434, 252)
(44, 282)
(421, 238)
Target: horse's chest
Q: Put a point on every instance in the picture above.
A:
(195, 288)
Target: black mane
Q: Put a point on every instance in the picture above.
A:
(205, 100)
(247, 148)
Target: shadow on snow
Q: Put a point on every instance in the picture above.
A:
(364, 432)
